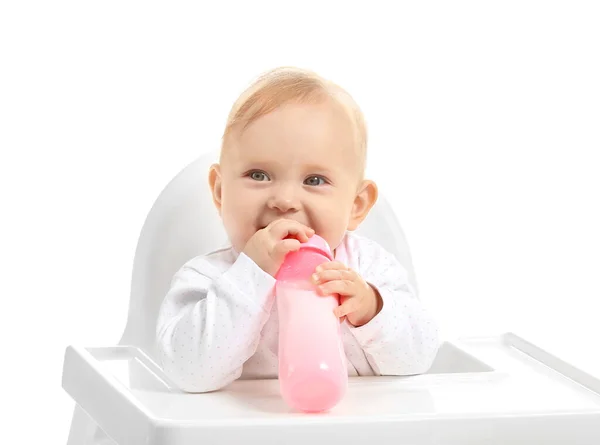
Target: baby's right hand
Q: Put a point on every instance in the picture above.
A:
(269, 246)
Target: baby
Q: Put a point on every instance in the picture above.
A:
(292, 164)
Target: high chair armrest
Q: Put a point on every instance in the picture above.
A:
(104, 397)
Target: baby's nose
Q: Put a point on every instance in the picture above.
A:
(284, 199)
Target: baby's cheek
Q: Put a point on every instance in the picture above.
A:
(333, 236)
(238, 231)
(330, 223)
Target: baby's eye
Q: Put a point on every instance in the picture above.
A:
(259, 176)
(314, 180)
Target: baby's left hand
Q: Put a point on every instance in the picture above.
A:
(359, 302)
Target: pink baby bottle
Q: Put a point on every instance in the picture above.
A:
(312, 365)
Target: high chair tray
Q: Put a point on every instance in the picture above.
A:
(486, 390)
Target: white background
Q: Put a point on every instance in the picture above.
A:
(484, 125)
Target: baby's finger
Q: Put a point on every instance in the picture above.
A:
(331, 265)
(285, 246)
(283, 228)
(349, 306)
(332, 274)
(342, 287)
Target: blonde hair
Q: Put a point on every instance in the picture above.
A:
(285, 85)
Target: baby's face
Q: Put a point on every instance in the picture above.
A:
(298, 162)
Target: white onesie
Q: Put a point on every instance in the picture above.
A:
(218, 322)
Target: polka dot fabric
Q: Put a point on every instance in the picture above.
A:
(218, 322)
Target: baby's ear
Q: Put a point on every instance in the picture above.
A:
(214, 181)
(363, 203)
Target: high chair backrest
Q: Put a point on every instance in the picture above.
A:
(183, 223)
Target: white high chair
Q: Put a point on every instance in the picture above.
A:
(479, 390)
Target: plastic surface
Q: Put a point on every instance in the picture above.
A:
(493, 390)
(313, 374)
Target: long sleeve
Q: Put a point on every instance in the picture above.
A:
(403, 338)
(210, 321)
